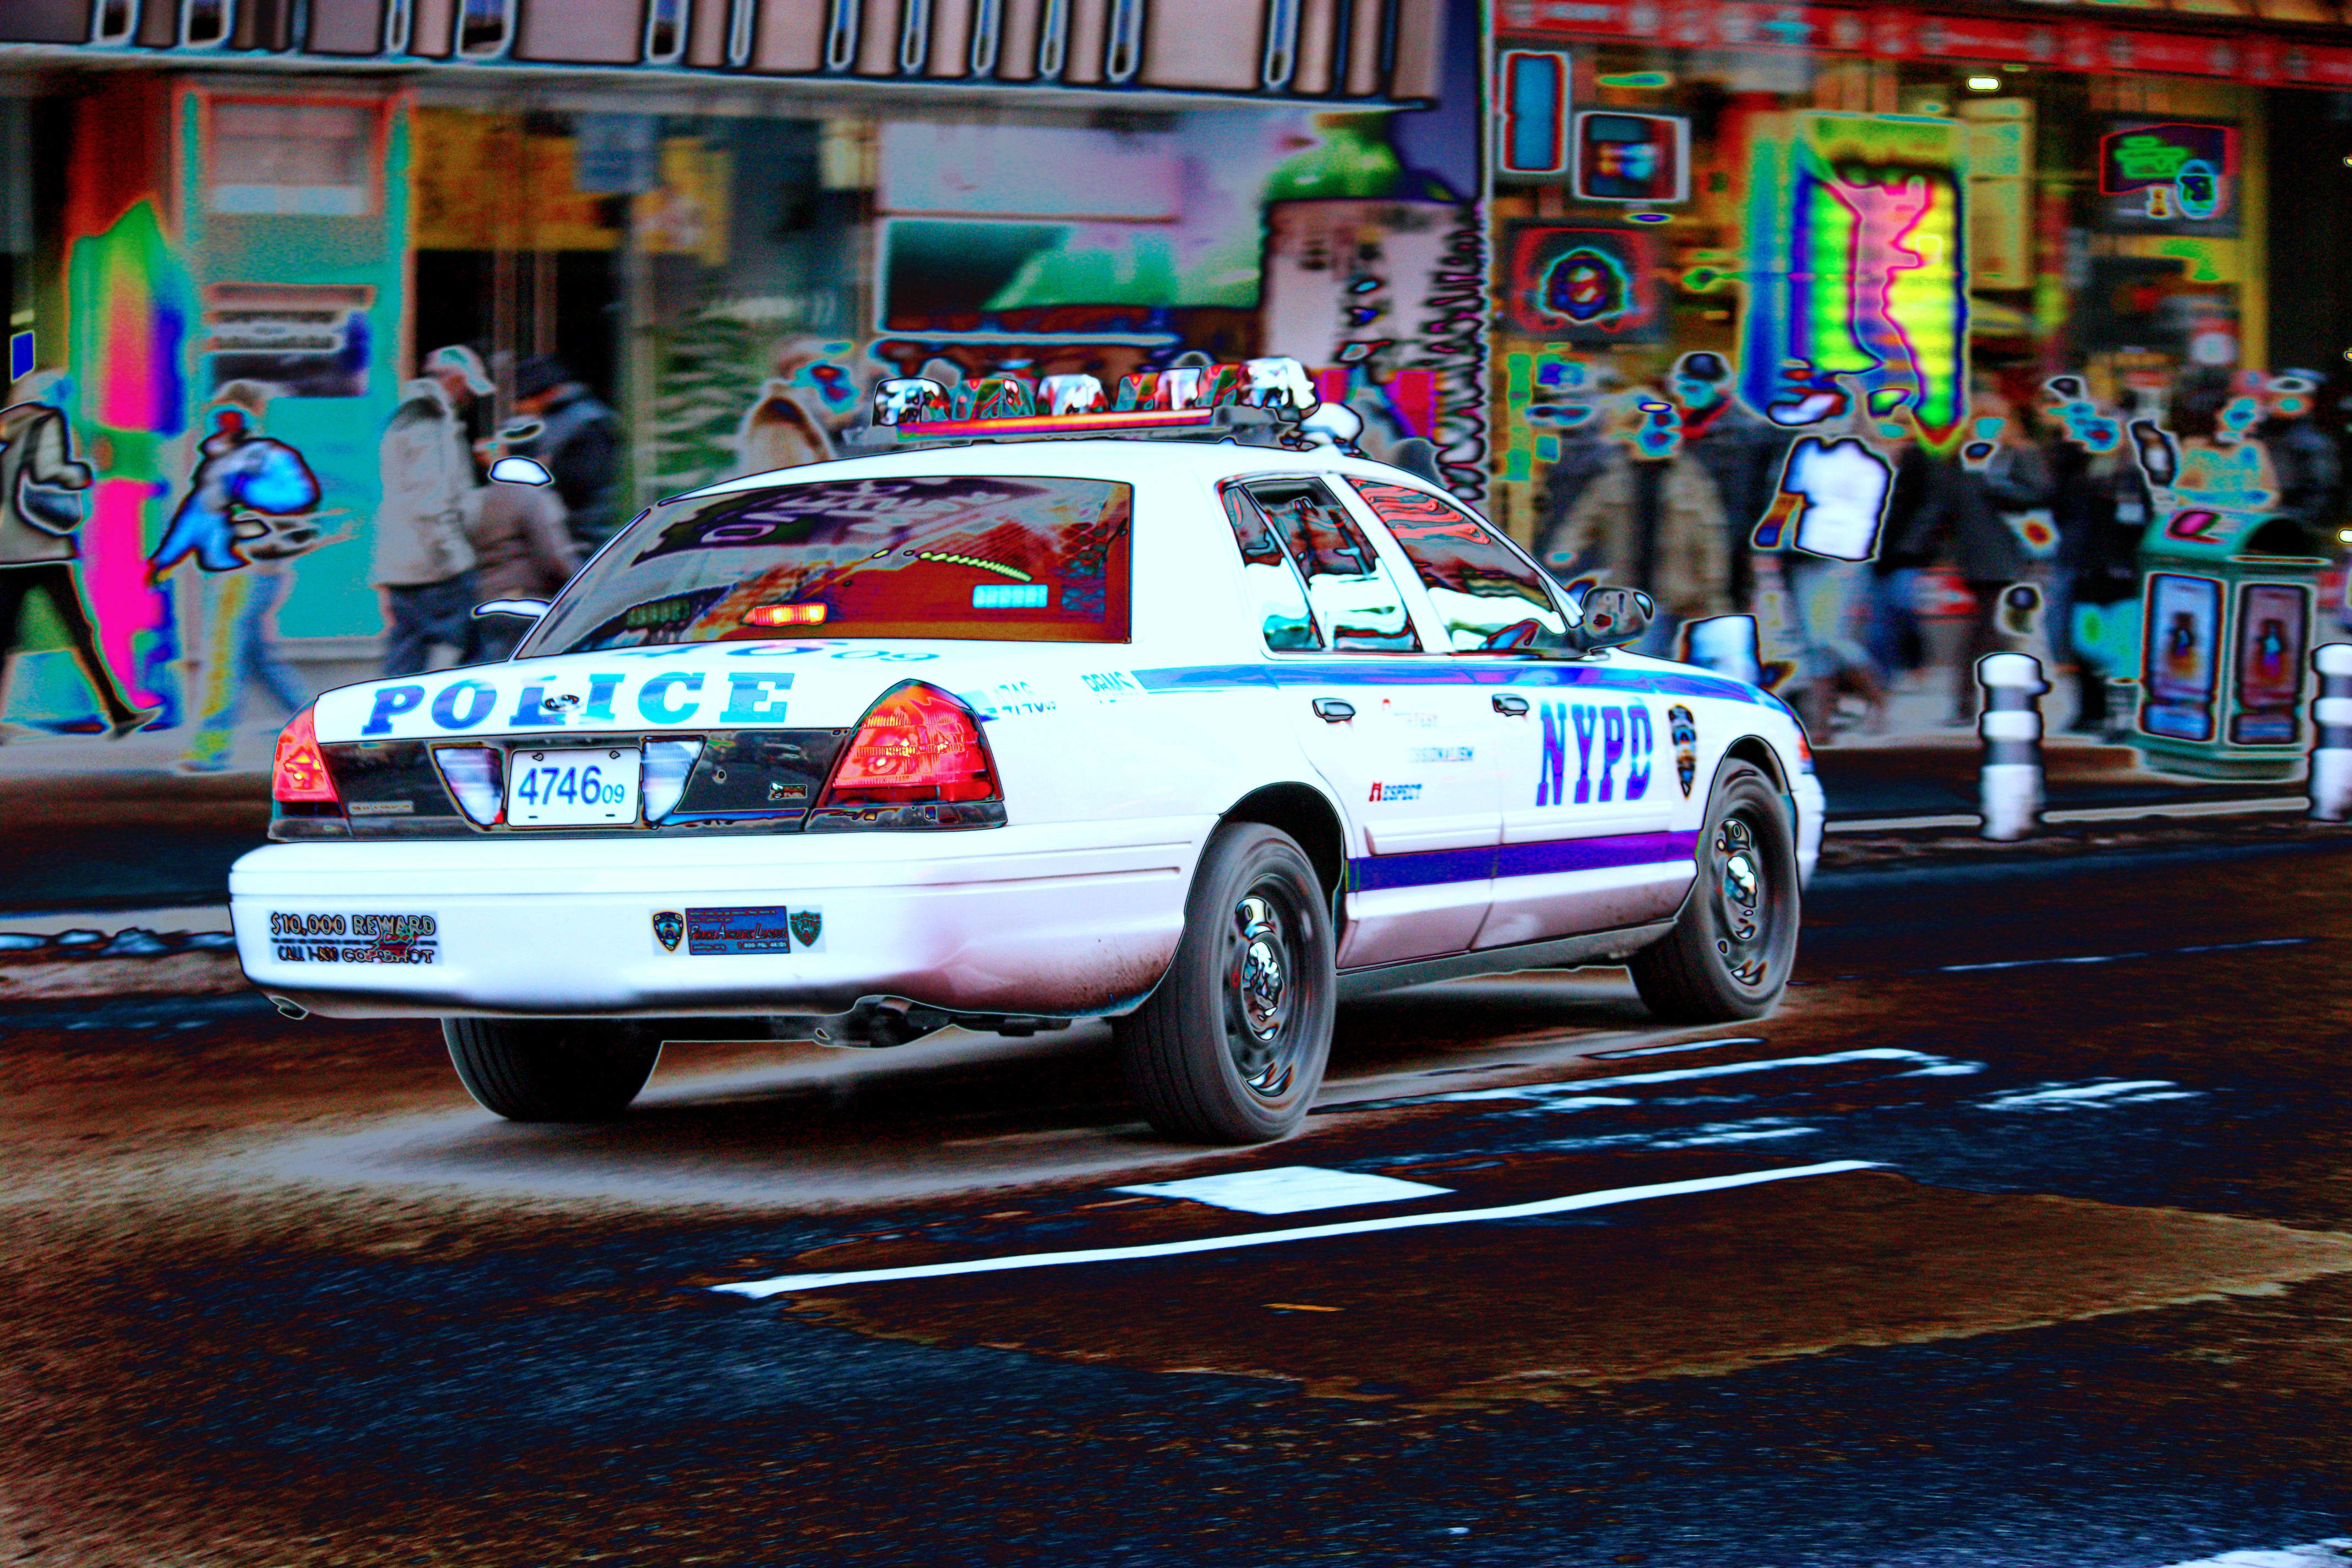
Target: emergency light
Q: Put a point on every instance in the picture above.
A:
(1184, 397)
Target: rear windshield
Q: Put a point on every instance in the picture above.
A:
(1001, 560)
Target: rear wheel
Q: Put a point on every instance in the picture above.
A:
(561, 1069)
(1729, 955)
(1231, 1048)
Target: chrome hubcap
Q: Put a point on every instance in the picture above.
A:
(1258, 993)
(1741, 900)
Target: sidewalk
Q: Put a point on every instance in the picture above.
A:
(1920, 767)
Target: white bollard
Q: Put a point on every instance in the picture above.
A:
(2010, 786)
(2331, 734)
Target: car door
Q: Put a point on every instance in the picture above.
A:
(1385, 722)
(1585, 842)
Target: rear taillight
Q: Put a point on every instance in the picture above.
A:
(298, 776)
(915, 745)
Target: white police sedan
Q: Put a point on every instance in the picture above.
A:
(1198, 736)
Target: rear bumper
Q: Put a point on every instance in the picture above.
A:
(1064, 920)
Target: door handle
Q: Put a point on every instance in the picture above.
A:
(1331, 711)
(1511, 707)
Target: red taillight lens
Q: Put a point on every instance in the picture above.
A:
(917, 745)
(300, 773)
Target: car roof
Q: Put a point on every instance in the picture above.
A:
(1126, 458)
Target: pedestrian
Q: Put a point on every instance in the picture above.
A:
(2309, 465)
(41, 507)
(1651, 520)
(580, 446)
(423, 565)
(522, 548)
(1963, 514)
(2099, 506)
(1740, 452)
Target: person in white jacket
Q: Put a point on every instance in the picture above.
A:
(424, 562)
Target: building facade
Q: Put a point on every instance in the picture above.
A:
(239, 225)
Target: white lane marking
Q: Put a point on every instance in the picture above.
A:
(2319, 1554)
(2116, 957)
(1897, 824)
(1685, 1045)
(2176, 808)
(1675, 1074)
(2091, 1096)
(759, 1290)
(2078, 814)
(1289, 1189)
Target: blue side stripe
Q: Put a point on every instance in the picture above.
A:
(1435, 867)
(1435, 672)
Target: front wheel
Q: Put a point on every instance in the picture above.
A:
(563, 1069)
(1729, 955)
(1232, 1046)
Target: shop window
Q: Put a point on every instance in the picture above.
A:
(205, 23)
(315, 160)
(485, 28)
(665, 32)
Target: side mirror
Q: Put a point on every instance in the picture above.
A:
(521, 471)
(1612, 617)
(522, 609)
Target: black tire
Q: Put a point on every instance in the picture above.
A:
(1729, 955)
(564, 1070)
(1231, 1048)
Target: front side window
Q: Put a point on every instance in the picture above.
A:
(964, 556)
(1355, 600)
(1489, 599)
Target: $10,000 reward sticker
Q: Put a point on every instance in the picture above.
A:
(304, 937)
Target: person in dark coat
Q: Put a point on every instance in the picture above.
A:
(1953, 513)
(1742, 453)
(580, 446)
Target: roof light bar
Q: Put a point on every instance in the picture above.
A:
(1179, 397)
(1060, 424)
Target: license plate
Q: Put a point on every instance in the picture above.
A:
(594, 785)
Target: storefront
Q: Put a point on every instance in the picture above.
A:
(237, 234)
(1784, 247)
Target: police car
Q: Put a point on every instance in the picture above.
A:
(1174, 712)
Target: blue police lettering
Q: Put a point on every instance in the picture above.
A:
(1587, 718)
(1613, 744)
(1548, 777)
(600, 696)
(1626, 734)
(531, 709)
(755, 698)
(1640, 741)
(478, 697)
(390, 704)
(652, 697)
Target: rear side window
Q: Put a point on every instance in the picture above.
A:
(993, 559)
(1487, 593)
(1356, 602)
(1275, 593)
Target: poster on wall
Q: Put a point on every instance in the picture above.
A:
(2273, 623)
(1623, 157)
(2169, 177)
(289, 339)
(2183, 655)
(1856, 274)
(1583, 286)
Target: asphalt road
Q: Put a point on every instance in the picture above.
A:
(2075, 1288)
